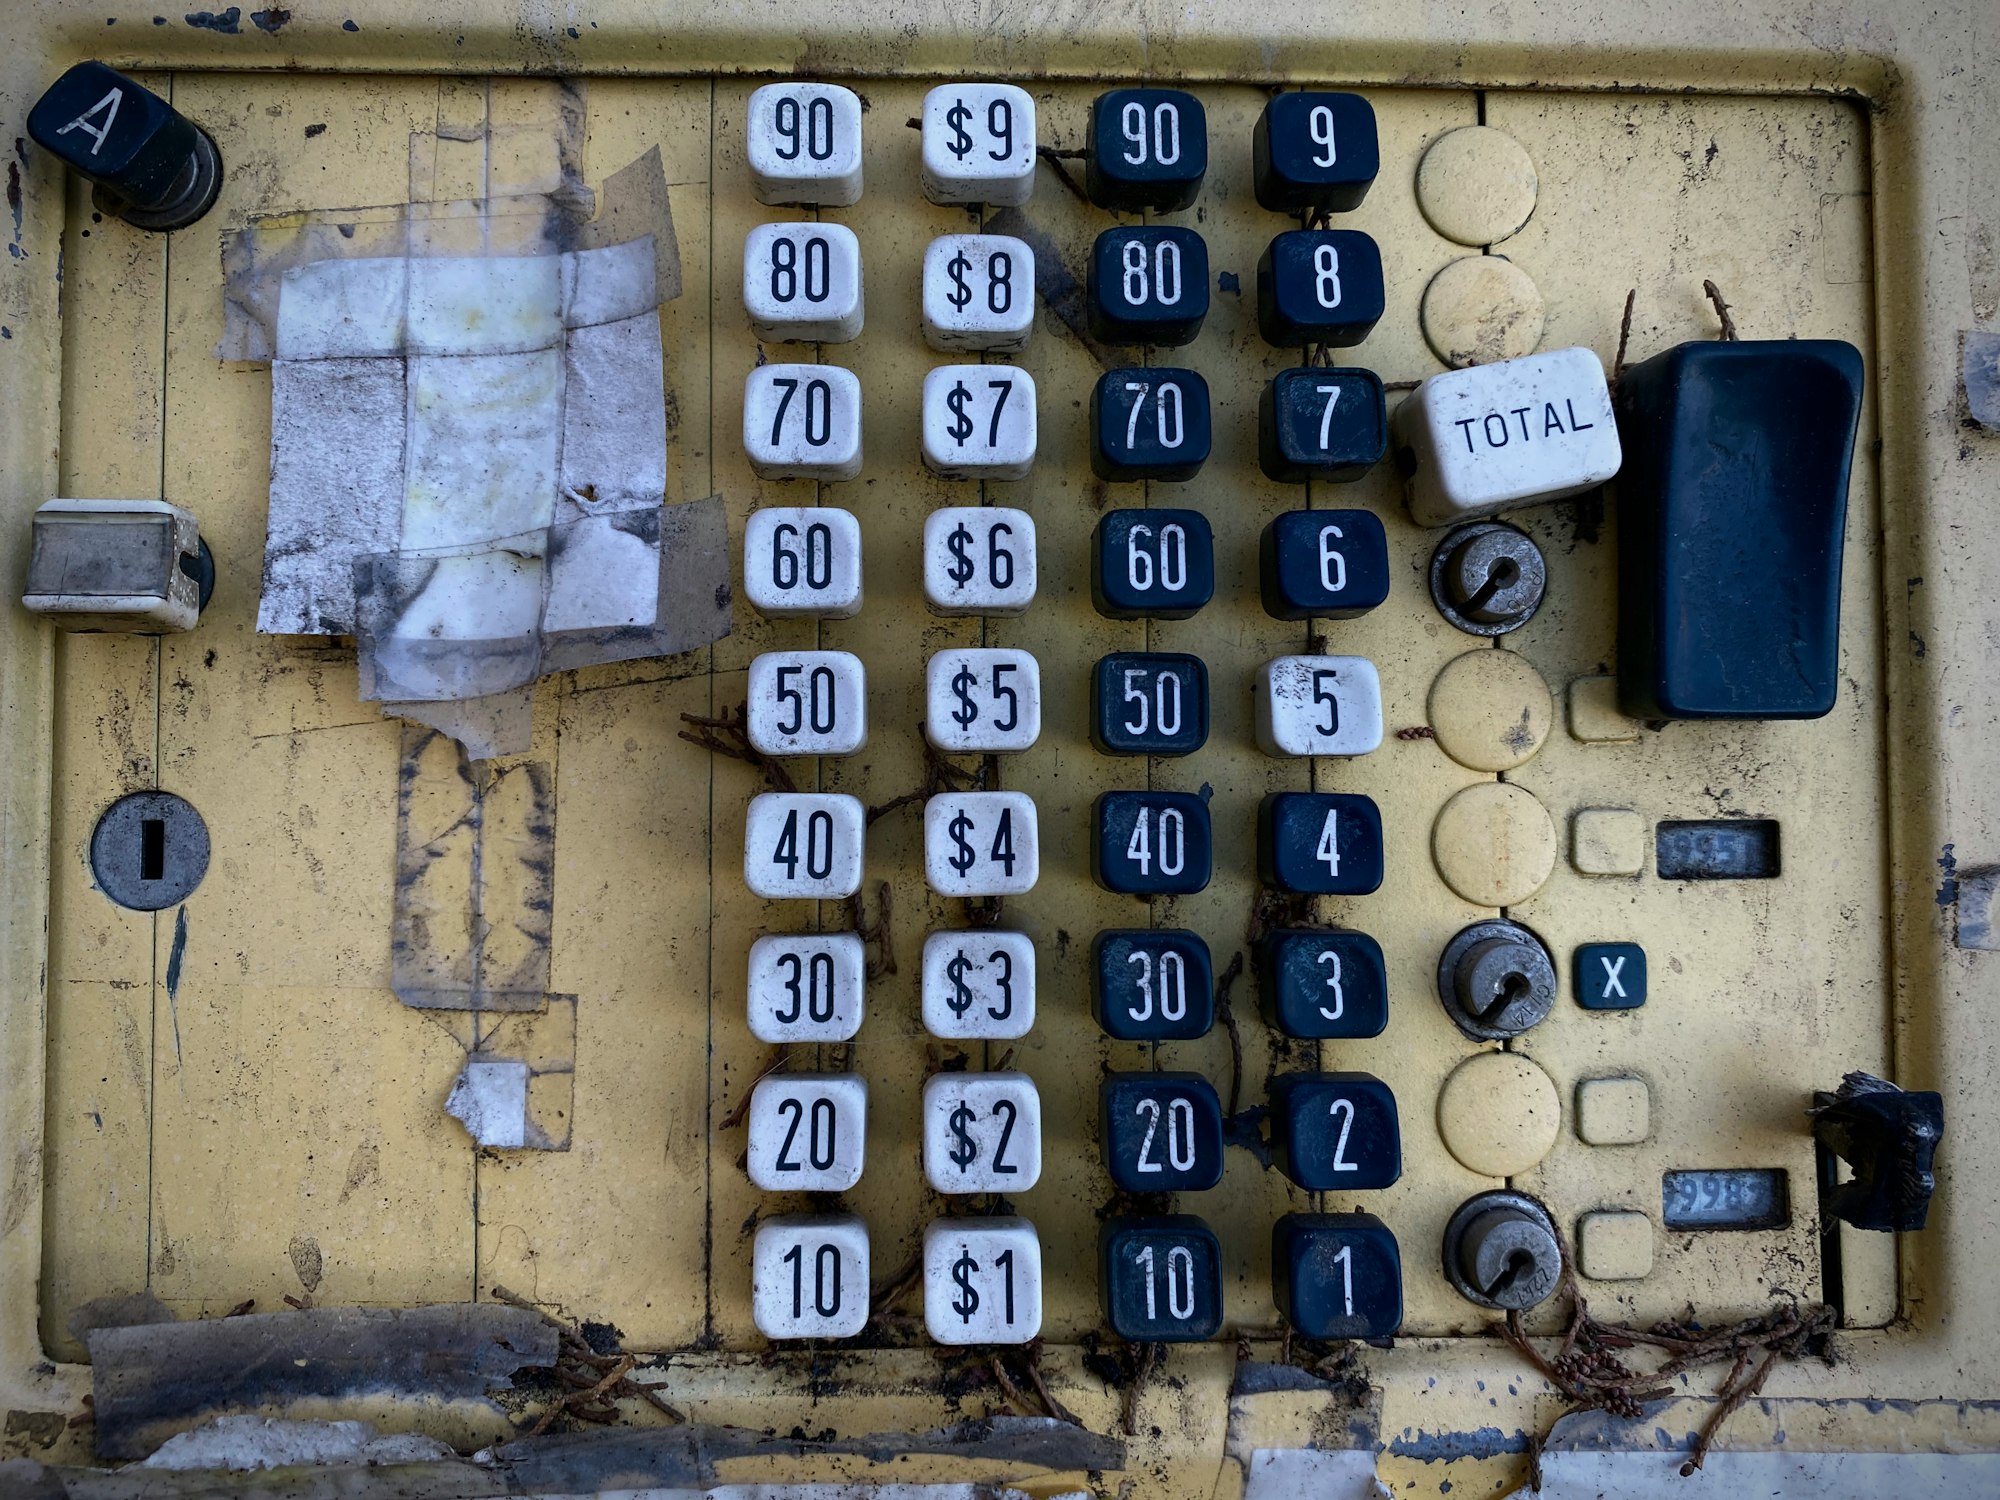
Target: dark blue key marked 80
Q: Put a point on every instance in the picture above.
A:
(1324, 564)
(1335, 1132)
(1151, 843)
(1319, 983)
(1149, 424)
(1321, 424)
(1152, 984)
(1147, 284)
(1320, 843)
(1149, 703)
(1161, 1278)
(1337, 1276)
(1162, 1132)
(1152, 564)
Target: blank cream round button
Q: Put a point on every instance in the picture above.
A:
(1498, 1113)
(1476, 185)
(1480, 309)
(1491, 710)
(1494, 844)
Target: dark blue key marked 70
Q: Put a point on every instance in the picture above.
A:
(1314, 153)
(1149, 424)
(1319, 286)
(1319, 983)
(1335, 1132)
(1337, 1276)
(1147, 284)
(1149, 703)
(1323, 564)
(1161, 1278)
(1320, 843)
(1151, 843)
(1152, 984)
(1148, 150)
(1321, 424)
(1162, 1132)
(1152, 564)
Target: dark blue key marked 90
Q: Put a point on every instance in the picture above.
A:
(1320, 843)
(1147, 284)
(1149, 703)
(1337, 1276)
(1319, 983)
(1149, 424)
(1335, 1132)
(1148, 150)
(1319, 286)
(1152, 564)
(1314, 153)
(1324, 564)
(1151, 843)
(1161, 1278)
(1321, 424)
(1162, 1132)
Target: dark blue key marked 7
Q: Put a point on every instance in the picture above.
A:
(1320, 843)
(1149, 703)
(1337, 1276)
(1149, 424)
(1321, 424)
(1148, 150)
(1152, 564)
(1324, 564)
(1161, 1278)
(1152, 984)
(1147, 284)
(1151, 843)
(1319, 983)
(1609, 976)
(1319, 286)
(1162, 1132)
(1314, 153)
(1335, 1132)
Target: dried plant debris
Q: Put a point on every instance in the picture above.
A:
(590, 1376)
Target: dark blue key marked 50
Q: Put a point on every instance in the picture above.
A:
(1152, 984)
(1152, 564)
(1162, 1132)
(1149, 703)
(1320, 843)
(1337, 1276)
(1321, 424)
(1147, 284)
(1151, 843)
(1148, 150)
(1161, 1278)
(1318, 983)
(1325, 564)
(1314, 153)
(1149, 424)
(1319, 286)
(1335, 1132)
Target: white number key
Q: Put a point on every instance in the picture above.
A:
(979, 985)
(809, 1276)
(806, 986)
(807, 1132)
(979, 144)
(1319, 705)
(981, 844)
(802, 422)
(979, 560)
(805, 144)
(979, 293)
(982, 1132)
(803, 561)
(802, 282)
(808, 703)
(979, 421)
(803, 844)
(982, 1281)
(982, 699)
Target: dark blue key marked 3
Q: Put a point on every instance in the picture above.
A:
(1319, 286)
(1320, 843)
(1147, 284)
(1161, 1278)
(1337, 1276)
(1149, 424)
(1325, 564)
(1151, 843)
(1152, 564)
(1321, 424)
(1314, 153)
(1162, 1132)
(1148, 150)
(1152, 984)
(1319, 983)
(1335, 1132)
(1149, 703)
(1609, 976)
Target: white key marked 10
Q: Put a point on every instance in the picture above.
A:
(809, 1276)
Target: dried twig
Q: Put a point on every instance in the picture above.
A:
(1032, 1359)
(736, 1116)
(1401, 385)
(1721, 311)
(1624, 335)
(1054, 158)
(594, 1382)
(1148, 1360)
(246, 1305)
(1007, 1387)
(883, 960)
(897, 1287)
(730, 735)
(1225, 1009)
(1417, 732)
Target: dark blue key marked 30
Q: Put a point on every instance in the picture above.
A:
(1321, 424)
(1609, 976)
(1149, 424)
(1148, 150)
(1152, 564)
(1151, 843)
(1319, 983)
(1152, 984)
(1320, 843)
(1147, 284)
(1335, 1132)
(1324, 564)
(1319, 286)
(1162, 1132)
(1337, 1276)
(1149, 703)
(1314, 153)
(1161, 1278)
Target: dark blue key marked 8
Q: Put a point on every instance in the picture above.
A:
(1152, 984)
(1325, 564)
(1314, 153)
(1319, 983)
(1337, 1276)
(1161, 1278)
(1152, 564)
(1147, 284)
(1148, 150)
(1321, 424)
(1335, 1132)
(1609, 976)
(1162, 1132)
(1319, 286)
(1149, 703)
(1149, 424)
(1320, 843)
(1151, 843)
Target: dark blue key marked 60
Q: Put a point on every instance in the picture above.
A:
(1321, 424)
(1320, 843)
(1162, 1132)
(1148, 150)
(1151, 843)
(1147, 284)
(1337, 1276)
(1161, 1278)
(1152, 564)
(1319, 286)
(1149, 703)
(1152, 984)
(1324, 564)
(1314, 153)
(1319, 983)
(1149, 424)
(1335, 1132)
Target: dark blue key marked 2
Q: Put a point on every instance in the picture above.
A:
(1147, 284)
(1335, 1132)
(1149, 424)
(1319, 286)
(1609, 976)
(1151, 843)
(1321, 424)
(1314, 153)
(1337, 1276)
(1161, 1278)
(1149, 703)
(1162, 1132)
(1319, 983)
(1152, 984)
(1325, 564)
(1148, 150)
(1320, 843)
(1152, 564)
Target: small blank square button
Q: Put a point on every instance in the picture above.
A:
(1608, 841)
(1613, 1111)
(1614, 1246)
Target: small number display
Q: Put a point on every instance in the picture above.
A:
(1319, 286)
(981, 844)
(802, 282)
(1335, 1132)
(1316, 983)
(1149, 703)
(1149, 424)
(979, 293)
(1321, 424)
(1152, 564)
(803, 561)
(982, 700)
(1152, 843)
(1319, 705)
(982, 1281)
(809, 1276)
(1161, 1277)
(982, 1132)
(806, 986)
(807, 703)
(1741, 1198)
(1337, 1276)
(1326, 564)
(803, 844)
(805, 144)
(1162, 1132)
(1320, 843)
(979, 421)
(979, 560)
(802, 422)
(1314, 153)
(807, 1132)
(1148, 150)
(1147, 285)
(1152, 984)
(979, 985)
(979, 144)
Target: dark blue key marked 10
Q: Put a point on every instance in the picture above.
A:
(1609, 976)
(1148, 150)
(1161, 1278)
(1149, 424)
(1335, 1132)
(1320, 843)
(1162, 1132)
(1152, 564)
(1151, 843)
(1147, 284)
(1319, 286)
(1319, 983)
(1325, 564)
(1152, 984)
(1321, 424)
(1314, 153)
(1337, 1276)
(1149, 703)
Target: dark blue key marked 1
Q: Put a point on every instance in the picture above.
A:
(1314, 153)
(1335, 1132)
(1320, 843)
(1152, 984)
(1149, 703)
(1149, 423)
(1324, 564)
(1148, 150)
(1319, 286)
(1147, 284)
(1161, 1278)
(1151, 843)
(1337, 1276)
(1162, 1132)
(1321, 424)
(1319, 983)
(1152, 564)
(1609, 976)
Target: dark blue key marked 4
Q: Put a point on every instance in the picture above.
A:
(1320, 843)
(1319, 286)
(1337, 1276)
(1609, 976)
(1321, 424)
(1152, 564)
(1147, 284)
(1335, 1132)
(1152, 984)
(1149, 424)
(1151, 843)
(1161, 1278)
(1149, 703)
(1148, 150)
(1325, 564)
(1162, 1132)
(1314, 153)
(1318, 983)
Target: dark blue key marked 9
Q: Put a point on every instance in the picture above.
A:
(1152, 564)
(1319, 286)
(1325, 564)
(1149, 424)
(1332, 1132)
(1337, 1276)
(1148, 150)
(1321, 424)
(1318, 983)
(1152, 984)
(1161, 1278)
(1149, 703)
(1314, 153)
(1162, 1132)
(1320, 843)
(1609, 976)
(1147, 284)
(1151, 843)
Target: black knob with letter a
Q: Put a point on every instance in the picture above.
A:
(153, 167)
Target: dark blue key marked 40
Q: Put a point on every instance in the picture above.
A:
(1152, 984)
(1149, 424)
(1332, 1132)
(1151, 843)
(1337, 1276)
(1152, 564)
(1161, 1278)
(1319, 983)
(1162, 1132)
(1319, 286)
(1148, 150)
(1149, 703)
(1314, 153)
(1321, 424)
(1147, 284)
(1324, 564)
(1320, 843)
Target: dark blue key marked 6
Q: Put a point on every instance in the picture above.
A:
(1320, 843)
(1152, 564)
(1162, 1132)
(1319, 286)
(1335, 1132)
(1325, 564)
(1337, 1276)
(1149, 703)
(1148, 150)
(1609, 976)
(1321, 424)
(1147, 284)
(1152, 984)
(1161, 1278)
(1149, 424)
(1151, 843)
(1317, 983)
(1314, 153)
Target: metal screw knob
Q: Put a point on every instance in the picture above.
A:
(153, 167)
(1496, 980)
(1488, 578)
(1500, 1251)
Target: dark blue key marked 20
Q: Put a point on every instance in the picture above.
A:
(1161, 1278)
(1149, 424)
(1314, 153)
(1162, 1132)
(1149, 703)
(1324, 564)
(1319, 286)
(1152, 564)
(1320, 843)
(1151, 843)
(1337, 1276)
(1147, 284)
(1335, 1132)
(1319, 983)
(1152, 984)
(1148, 150)
(1321, 424)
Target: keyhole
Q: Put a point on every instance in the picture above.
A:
(1519, 1263)
(1512, 987)
(1504, 574)
(152, 848)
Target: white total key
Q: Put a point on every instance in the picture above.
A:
(1319, 705)
(806, 986)
(982, 1281)
(982, 1132)
(808, 1132)
(979, 293)
(981, 844)
(807, 703)
(803, 561)
(979, 144)
(805, 144)
(979, 421)
(979, 560)
(802, 422)
(982, 699)
(803, 844)
(979, 985)
(802, 283)
(809, 1276)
